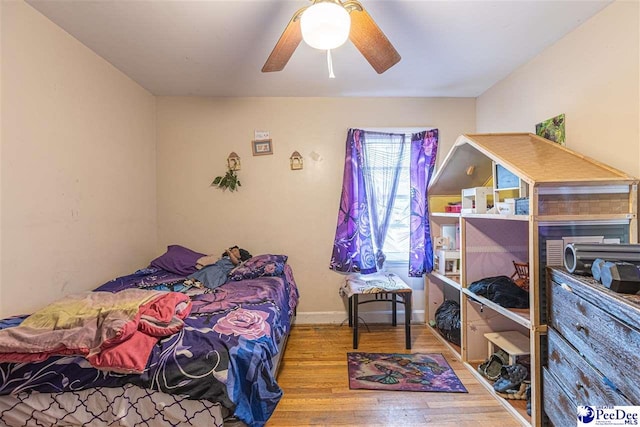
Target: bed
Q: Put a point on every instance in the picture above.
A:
(218, 369)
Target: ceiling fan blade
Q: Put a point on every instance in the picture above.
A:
(287, 44)
(369, 39)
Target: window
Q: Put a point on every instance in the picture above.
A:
(363, 222)
(396, 244)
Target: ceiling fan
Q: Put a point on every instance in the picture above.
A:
(363, 33)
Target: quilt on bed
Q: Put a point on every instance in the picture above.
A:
(113, 331)
(223, 352)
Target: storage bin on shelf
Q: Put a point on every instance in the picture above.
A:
(453, 208)
(508, 207)
(522, 206)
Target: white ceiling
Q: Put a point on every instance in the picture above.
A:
(217, 48)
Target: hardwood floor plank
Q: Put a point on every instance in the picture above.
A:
(315, 381)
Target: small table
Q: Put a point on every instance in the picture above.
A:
(513, 343)
(384, 287)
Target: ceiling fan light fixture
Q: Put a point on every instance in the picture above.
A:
(325, 25)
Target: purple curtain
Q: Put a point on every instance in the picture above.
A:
(424, 147)
(353, 247)
(353, 250)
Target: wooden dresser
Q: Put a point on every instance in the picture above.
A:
(593, 347)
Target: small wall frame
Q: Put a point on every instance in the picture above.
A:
(261, 147)
(296, 161)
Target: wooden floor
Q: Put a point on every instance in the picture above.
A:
(314, 378)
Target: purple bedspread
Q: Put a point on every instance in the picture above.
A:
(223, 353)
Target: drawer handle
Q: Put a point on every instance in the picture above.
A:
(580, 327)
(566, 287)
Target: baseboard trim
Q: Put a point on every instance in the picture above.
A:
(338, 317)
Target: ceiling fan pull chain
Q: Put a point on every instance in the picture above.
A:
(330, 64)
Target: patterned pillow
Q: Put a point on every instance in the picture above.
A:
(258, 266)
(178, 260)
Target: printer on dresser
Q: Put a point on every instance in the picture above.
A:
(593, 347)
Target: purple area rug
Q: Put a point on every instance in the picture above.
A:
(402, 372)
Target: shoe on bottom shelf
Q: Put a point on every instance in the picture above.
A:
(519, 393)
(491, 368)
(511, 377)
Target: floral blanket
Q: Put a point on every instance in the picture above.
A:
(222, 354)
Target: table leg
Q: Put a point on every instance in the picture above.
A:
(407, 321)
(490, 349)
(394, 310)
(350, 311)
(355, 321)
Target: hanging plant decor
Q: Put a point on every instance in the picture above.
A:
(229, 181)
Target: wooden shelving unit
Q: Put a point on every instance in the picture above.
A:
(569, 195)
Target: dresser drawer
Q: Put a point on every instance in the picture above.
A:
(560, 409)
(584, 385)
(621, 306)
(610, 346)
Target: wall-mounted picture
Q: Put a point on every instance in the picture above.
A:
(262, 147)
(552, 129)
(296, 161)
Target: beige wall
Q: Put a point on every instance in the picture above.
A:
(78, 203)
(277, 210)
(592, 75)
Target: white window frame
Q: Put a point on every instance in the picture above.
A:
(405, 131)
